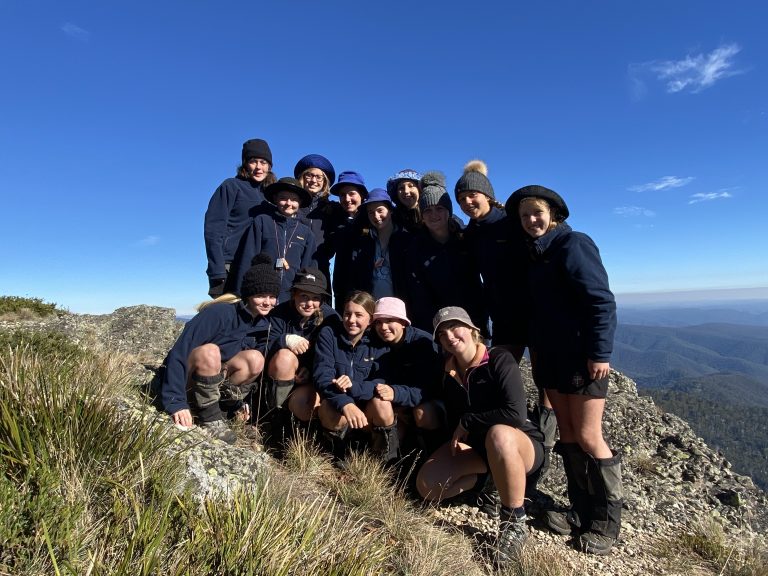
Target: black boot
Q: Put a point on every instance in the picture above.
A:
(385, 443)
(513, 532)
(335, 441)
(606, 495)
(578, 515)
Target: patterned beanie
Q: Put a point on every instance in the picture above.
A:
(474, 179)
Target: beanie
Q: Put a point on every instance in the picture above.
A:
(315, 161)
(257, 148)
(433, 192)
(394, 181)
(261, 278)
(475, 178)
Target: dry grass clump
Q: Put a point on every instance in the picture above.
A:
(704, 548)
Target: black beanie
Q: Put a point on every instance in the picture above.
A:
(257, 148)
(261, 278)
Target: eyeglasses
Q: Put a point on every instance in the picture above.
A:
(309, 177)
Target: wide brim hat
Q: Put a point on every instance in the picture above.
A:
(451, 313)
(315, 161)
(558, 205)
(312, 281)
(389, 307)
(290, 184)
(349, 178)
(379, 195)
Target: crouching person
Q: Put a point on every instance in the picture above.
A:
(212, 366)
(485, 403)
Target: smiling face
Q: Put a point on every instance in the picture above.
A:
(305, 303)
(457, 338)
(261, 304)
(350, 199)
(257, 169)
(355, 319)
(535, 216)
(476, 205)
(390, 330)
(313, 180)
(287, 202)
(408, 193)
(380, 214)
(435, 218)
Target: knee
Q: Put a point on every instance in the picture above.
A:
(425, 417)
(283, 365)
(380, 412)
(500, 440)
(205, 359)
(330, 419)
(254, 362)
(302, 403)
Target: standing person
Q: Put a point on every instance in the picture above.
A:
(316, 175)
(440, 269)
(352, 193)
(281, 234)
(404, 189)
(488, 237)
(231, 208)
(485, 404)
(344, 358)
(300, 320)
(573, 321)
(409, 365)
(212, 366)
(371, 256)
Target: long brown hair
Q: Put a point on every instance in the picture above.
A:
(242, 172)
(362, 298)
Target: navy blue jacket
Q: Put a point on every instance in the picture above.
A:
(325, 218)
(499, 261)
(440, 275)
(573, 311)
(492, 393)
(229, 212)
(289, 321)
(356, 258)
(335, 356)
(279, 237)
(231, 327)
(411, 367)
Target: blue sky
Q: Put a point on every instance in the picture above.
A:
(119, 119)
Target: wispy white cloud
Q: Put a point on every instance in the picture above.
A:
(708, 196)
(74, 31)
(662, 184)
(149, 241)
(633, 211)
(697, 72)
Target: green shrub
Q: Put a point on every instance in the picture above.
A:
(20, 308)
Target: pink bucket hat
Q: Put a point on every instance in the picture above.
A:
(389, 307)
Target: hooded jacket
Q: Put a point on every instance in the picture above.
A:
(229, 212)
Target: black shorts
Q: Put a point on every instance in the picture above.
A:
(550, 378)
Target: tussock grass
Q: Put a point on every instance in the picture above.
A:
(705, 549)
(14, 308)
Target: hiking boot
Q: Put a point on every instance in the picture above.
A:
(565, 523)
(594, 543)
(488, 498)
(219, 430)
(513, 533)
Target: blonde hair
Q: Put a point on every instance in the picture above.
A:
(540, 203)
(225, 298)
(326, 185)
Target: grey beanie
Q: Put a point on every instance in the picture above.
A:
(433, 192)
(475, 178)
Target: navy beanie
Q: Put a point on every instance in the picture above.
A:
(257, 148)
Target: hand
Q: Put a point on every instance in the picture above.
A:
(342, 383)
(182, 417)
(216, 287)
(385, 392)
(301, 346)
(598, 370)
(459, 435)
(355, 417)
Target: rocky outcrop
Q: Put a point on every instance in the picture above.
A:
(671, 476)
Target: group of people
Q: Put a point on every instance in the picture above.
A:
(414, 340)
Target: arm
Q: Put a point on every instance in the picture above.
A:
(324, 370)
(215, 228)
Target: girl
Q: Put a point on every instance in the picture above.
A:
(404, 190)
(300, 320)
(231, 208)
(440, 270)
(485, 404)
(371, 256)
(573, 320)
(281, 234)
(316, 175)
(344, 359)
